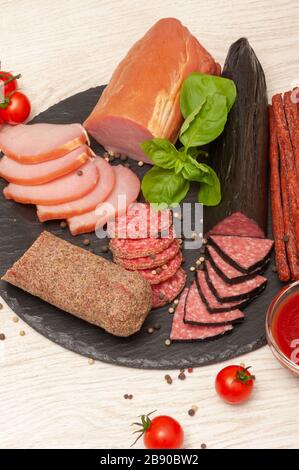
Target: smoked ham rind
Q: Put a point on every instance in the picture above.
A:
(83, 284)
(41, 142)
(142, 100)
(240, 155)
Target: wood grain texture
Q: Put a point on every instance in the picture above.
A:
(53, 398)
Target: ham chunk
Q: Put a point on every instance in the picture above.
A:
(142, 99)
(126, 190)
(68, 188)
(39, 173)
(36, 143)
(86, 203)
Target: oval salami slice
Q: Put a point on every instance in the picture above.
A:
(140, 221)
(152, 261)
(167, 291)
(182, 332)
(196, 313)
(126, 248)
(227, 293)
(164, 272)
(239, 225)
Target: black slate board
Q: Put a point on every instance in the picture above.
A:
(20, 227)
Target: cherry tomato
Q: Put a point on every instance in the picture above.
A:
(12, 84)
(161, 432)
(234, 384)
(17, 108)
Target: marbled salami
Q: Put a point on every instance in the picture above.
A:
(181, 331)
(152, 261)
(208, 297)
(196, 312)
(227, 293)
(126, 248)
(164, 272)
(245, 253)
(229, 273)
(167, 291)
(140, 221)
(239, 225)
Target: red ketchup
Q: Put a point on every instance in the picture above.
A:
(285, 327)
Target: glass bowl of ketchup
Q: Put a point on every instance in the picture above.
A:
(282, 327)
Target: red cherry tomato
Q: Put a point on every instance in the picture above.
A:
(234, 384)
(161, 432)
(17, 108)
(12, 84)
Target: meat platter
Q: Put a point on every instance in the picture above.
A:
(136, 224)
(20, 227)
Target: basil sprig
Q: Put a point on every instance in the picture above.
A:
(205, 102)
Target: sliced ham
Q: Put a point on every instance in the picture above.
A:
(86, 203)
(40, 173)
(40, 142)
(126, 190)
(142, 99)
(64, 189)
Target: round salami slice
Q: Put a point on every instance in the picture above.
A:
(164, 272)
(126, 248)
(140, 221)
(167, 291)
(152, 261)
(181, 331)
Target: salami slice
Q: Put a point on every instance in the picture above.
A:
(126, 248)
(239, 225)
(152, 261)
(227, 293)
(196, 313)
(208, 297)
(164, 272)
(167, 291)
(181, 331)
(229, 273)
(244, 253)
(140, 221)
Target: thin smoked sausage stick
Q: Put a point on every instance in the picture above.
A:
(292, 116)
(288, 168)
(276, 205)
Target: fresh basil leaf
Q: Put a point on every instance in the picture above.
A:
(209, 192)
(161, 151)
(208, 123)
(179, 165)
(161, 185)
(194, 152)
(199, 86)
(191, 116)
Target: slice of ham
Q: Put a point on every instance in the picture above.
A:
(40, 173)
(40, 142)
(86, 203)
(67, 188)
(142, 99)
(126, 190)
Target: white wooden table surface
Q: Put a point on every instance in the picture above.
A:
(52, 398)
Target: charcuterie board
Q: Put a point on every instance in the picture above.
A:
(20, 227)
